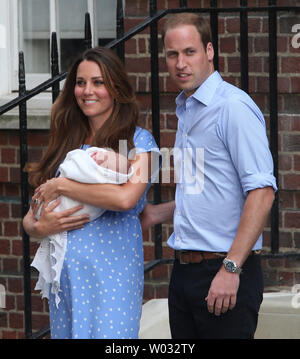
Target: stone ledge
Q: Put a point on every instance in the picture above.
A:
(38, 112)
(278, 318)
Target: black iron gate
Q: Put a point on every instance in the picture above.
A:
(213, 11)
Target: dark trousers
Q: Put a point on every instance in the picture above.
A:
(188, 313)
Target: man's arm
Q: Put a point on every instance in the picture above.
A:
(224, 287)
(156, 213)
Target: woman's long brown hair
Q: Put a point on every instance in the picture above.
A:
(70, 127)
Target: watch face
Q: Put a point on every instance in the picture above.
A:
(230, 266)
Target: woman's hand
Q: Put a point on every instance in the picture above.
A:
(46, 192)
(51, 222)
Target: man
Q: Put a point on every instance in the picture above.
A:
(218, 219)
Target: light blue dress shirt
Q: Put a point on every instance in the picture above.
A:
(221, 152)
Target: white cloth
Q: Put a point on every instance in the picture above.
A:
(78, 166)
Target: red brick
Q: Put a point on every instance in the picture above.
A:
(3, 138)
(14, 174)
(161, 291)
(14, 138)
(283, 84)
(297, 162)
(130, 46)
(139, 65)
(15, 320)
(290, 65)
(8, 155)
(286, 278)
(285, 162)
(38, 138)
(292, 220)
(261, 44)
(9, 334)
(292, 181)
(3, 174)
(17, 248)
(228, 45)
(286, 199)
(234, 64)
(232, 25)
(11, 229)
(4, 210)
(297, 197)
(142, 45)
(12, 190)
(3, 319)
(15, 285)
(4, 246)
(10, 301)
(295, 84)
(262, 84)
(10, 265)
(40, 321)
(296, 123)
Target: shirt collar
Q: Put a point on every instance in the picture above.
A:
(205, 92)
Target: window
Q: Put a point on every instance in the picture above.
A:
(37, 19)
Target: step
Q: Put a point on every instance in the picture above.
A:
(279, 318)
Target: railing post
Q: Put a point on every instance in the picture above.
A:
(120, 30)
(87, 32)
(274, 120)
(214, 31)
(24, 198)
(155, 115)
(244, 46)
(54, 66)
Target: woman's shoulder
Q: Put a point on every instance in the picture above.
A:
(144, 139)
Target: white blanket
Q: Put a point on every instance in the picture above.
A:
(49, 258)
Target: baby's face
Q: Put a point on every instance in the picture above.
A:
(111, 160)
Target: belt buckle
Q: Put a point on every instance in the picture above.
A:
(180, 260)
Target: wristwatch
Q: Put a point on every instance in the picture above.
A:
(231, 266)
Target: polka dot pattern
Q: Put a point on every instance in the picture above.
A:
(102, 276)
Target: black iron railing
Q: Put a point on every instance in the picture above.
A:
(151, 22)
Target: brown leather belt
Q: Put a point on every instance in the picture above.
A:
(189, 257)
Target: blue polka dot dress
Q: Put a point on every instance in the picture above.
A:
(102, 278)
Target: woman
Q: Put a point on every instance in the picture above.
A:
(102, 275)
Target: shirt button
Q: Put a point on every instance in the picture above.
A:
(177, 238)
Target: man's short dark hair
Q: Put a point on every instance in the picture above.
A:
(186, 18)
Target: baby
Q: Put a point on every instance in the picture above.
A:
(95, 165)
(111, 160)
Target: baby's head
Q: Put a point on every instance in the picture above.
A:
(111, 160)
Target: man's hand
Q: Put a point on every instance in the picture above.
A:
(223, 292)
(156, 213)
(146, 217)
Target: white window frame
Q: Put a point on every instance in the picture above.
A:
(34, 79)
(39, 105)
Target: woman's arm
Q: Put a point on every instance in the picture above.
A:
(110, 196)
(51, 222)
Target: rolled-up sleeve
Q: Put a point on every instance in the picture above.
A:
(242, 130)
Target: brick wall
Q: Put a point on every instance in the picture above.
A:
(278, 272)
